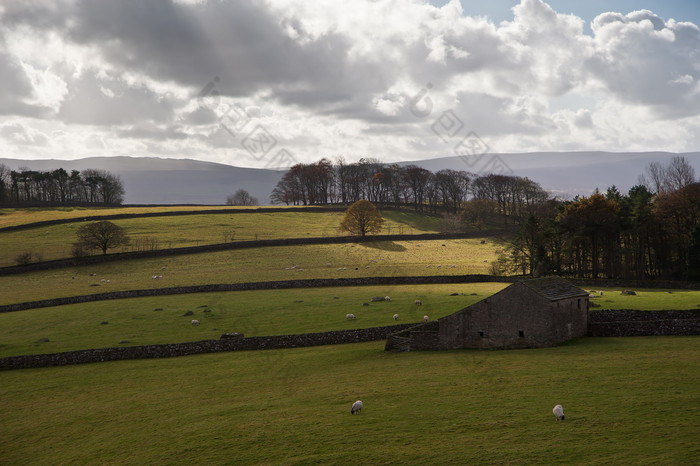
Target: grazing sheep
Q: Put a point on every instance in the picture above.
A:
(425, 318)
(418, 302)
(386, 298)
(356, 407)
(558, 412)
(396, 317)
(195, 322)
(350, 316)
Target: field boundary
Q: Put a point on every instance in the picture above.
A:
(632, 323)
(216, 247)
(607, 323)
(335, 337)
(174, 213)
(249, 286)
(324, 283)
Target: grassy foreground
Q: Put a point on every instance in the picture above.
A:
(626, 400)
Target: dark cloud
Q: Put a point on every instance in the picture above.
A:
(111, 101)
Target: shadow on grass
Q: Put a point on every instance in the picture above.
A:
(384, 246)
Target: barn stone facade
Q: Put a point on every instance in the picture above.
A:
(527, 314)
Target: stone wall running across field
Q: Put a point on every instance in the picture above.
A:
(274, 285)
(216, 247)
(629, 323)
(200, 347)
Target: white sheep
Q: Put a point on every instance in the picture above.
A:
(386, 298)
(350, 316)
(396, 317)
(195, 322)
(418, 302)
(425, 318)
(558, 412)
(356, 407)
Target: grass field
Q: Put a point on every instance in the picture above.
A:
(257, 313)
(626, 400)
(260, 264)
(253, 313)
(55, 242)
(10, 217)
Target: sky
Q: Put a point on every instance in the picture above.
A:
(270, 83)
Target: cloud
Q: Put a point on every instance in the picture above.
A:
(352, 77)
(643, 60)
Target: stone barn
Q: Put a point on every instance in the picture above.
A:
(527, 314)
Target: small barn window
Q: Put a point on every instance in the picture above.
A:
(521, 334)
(579, 303)
(481, 334)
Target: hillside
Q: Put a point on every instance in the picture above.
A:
(570, 173)
(150, 180)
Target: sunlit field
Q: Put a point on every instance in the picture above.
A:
(10, 217)
(56, 242)
(398, 258)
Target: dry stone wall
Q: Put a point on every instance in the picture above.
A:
(274, 285)
(628, 323)
(200, 347)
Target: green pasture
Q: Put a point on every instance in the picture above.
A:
(55, 242)
(15, 216)
(626, 401)
(386, 258)
(159, 320)
(648, 299)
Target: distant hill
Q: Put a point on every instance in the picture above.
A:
(570, 173)
(150, 180)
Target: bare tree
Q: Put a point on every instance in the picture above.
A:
(679, 173)
(241, 198)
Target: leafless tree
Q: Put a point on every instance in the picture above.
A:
(241, 198)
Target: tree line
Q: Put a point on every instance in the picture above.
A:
(652, 231)
(90, 186)
(402, 186)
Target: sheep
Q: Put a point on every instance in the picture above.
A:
(396, 317)
(195, 322)
(558, 412)
(386, 298)
(601, 293)
(425, 318)
(418, 302)
(356, 407)
(350, 316)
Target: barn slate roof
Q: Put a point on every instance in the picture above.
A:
(554, 289)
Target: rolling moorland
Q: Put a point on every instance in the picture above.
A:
(621, 395)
